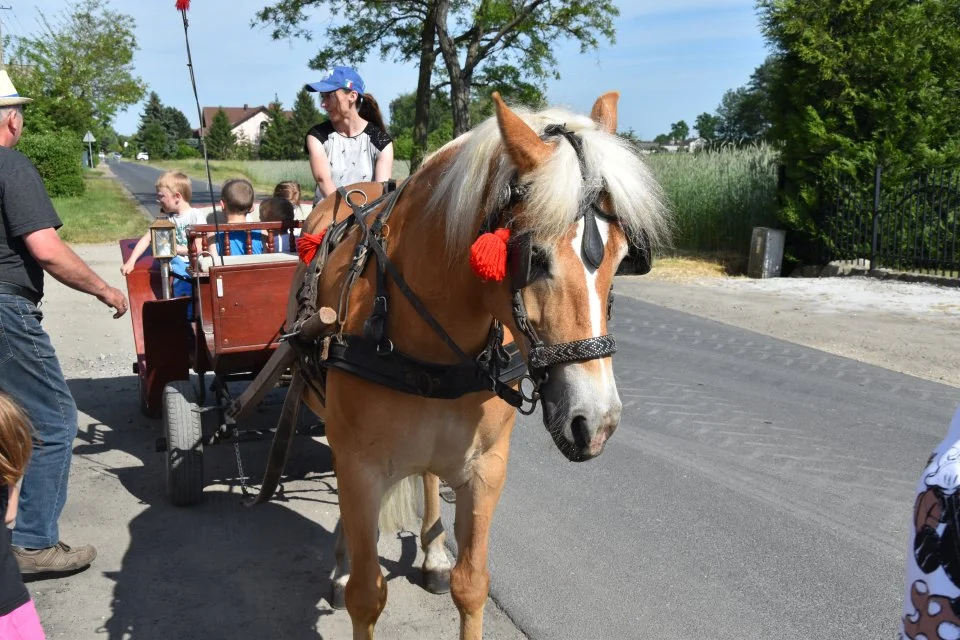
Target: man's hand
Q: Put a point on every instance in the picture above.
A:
(114, 299)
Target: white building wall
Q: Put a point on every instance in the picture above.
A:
(250, 129)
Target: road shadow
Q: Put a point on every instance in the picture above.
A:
(218, 569)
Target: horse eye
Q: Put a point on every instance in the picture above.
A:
(539, 264)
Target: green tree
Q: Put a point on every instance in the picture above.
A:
(152, 111)
(275, 135)
(484, 44)
(79, 68)
(403, 123)
(176, 124)
(679, 131)
(154, 140)
(220, 139)
(305, 115)
(860, 83)
(706, 125)
(745, 114)
(631, 136)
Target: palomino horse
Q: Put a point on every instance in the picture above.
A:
(563, 195)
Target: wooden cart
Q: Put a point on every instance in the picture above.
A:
(229, 326)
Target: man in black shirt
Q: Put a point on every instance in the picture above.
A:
(29, 369)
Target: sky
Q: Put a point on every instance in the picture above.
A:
(672, 60)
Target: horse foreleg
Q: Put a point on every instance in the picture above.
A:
(436, 564)
(341, 572)
(476, 501)
(365, 594)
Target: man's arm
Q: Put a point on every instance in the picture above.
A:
(62, 263)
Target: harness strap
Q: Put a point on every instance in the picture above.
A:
(364, 358)
(509, 395)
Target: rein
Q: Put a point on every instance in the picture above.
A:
(497, 366)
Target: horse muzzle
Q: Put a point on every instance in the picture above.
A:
(579, 416)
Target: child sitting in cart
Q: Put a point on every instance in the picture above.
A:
(290, 189)
(18, 615)
(174, 192)
(278, 210)
(236, 200)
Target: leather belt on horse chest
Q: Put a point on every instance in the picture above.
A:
(371, 356)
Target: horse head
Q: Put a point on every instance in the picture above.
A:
(568, 196)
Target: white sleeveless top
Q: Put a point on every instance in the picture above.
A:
(352, 159)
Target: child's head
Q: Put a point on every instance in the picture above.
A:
(290, 190)
(236, 196)
(16, 442)
(276, 209)
(174, 192)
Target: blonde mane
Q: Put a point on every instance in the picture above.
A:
(481, 172)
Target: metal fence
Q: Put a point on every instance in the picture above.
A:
(909, 224)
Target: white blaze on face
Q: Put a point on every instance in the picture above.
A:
(596, 309)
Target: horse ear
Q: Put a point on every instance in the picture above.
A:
(523, 144)
(605, 111)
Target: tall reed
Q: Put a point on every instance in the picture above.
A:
(718, 196)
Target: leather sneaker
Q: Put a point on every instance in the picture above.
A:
(60, 558)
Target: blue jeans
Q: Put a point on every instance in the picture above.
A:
(30, 373)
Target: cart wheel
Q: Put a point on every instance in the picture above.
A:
(181, 423)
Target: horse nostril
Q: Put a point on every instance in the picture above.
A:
(580, 432)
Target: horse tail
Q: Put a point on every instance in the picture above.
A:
(399, 509)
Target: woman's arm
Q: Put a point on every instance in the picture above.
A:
(384, 168)
(14, 493)
(320, 167)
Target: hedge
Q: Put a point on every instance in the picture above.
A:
(58, 159)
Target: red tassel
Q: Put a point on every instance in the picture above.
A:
(183, 5)
(488, 255)
(307, 245)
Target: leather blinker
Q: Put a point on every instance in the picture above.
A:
(520, 260)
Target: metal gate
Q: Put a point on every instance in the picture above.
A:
(906, 225)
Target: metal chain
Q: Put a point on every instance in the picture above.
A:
(243, 479)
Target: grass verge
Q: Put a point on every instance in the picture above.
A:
(263, 174)
(220, 171)
(104, 213)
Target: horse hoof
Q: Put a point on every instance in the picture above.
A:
(437, 581)
(339, 598)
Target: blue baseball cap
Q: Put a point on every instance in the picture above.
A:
(341, 78)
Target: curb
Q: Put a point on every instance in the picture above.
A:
(843, 269)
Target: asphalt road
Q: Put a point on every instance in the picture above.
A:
(754, 489)
(141, 179)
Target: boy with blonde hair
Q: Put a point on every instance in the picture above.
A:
(173, 193)
(236, 201)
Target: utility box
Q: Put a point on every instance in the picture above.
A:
(766, 252)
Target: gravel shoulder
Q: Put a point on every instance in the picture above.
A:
(912, 328)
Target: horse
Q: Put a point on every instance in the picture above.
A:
(509, 235)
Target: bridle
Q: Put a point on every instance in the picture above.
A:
(496, 367)
(519, 260)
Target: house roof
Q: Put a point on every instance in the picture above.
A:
(236, 115)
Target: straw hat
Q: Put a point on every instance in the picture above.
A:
(8, 93)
